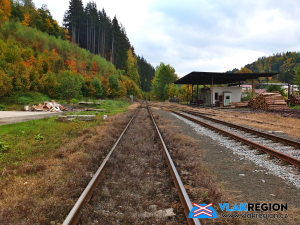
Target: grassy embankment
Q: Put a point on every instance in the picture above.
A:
(28, 140)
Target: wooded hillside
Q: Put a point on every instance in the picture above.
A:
(35, 55)
(284, 63)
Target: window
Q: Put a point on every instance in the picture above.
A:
(216, 96)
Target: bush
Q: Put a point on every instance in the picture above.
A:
(26, 98)
(2, 108)
(74, 101)
(272, 88)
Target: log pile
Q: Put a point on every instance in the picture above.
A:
(268, 101)
(48, 107)
(295, 100)
(239, 104)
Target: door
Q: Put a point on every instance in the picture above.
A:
(227, 98)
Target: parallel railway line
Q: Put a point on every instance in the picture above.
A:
(292, 159)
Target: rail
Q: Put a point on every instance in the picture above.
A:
(183, 196)
(265, 149)
(74, 215)
(270, 136)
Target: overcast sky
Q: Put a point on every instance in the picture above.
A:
(201, 35)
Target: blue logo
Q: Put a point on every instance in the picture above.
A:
(236, 207)
(203, 211)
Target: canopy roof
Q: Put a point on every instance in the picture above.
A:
(205, 78)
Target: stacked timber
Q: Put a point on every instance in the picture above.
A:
(268, 101)
(295, 100)
(239, 104)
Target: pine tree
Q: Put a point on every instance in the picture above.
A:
(73, 19)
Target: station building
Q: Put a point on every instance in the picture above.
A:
(228, 87)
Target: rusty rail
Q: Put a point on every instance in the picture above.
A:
(269, 136)
(270, 151)
(74, 214)
(183, 196)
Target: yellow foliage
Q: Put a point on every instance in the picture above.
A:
(4, 10)
(26, 21)
(132, 70)
(244, 70)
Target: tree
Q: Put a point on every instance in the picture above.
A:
(4, 10)
(271, 88)
(114, 87)
(120, 45)
(185, 92)
(49, 25)
(131, 68)
(105, 34)
(5, 84)
(244, 70)
(146, 72)
(172, 90)
(297, 77)
(165, 74)
(70, 85)
(98, 87)
(92, 24)
(73, 19)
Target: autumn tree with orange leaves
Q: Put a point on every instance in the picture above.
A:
(4, 10)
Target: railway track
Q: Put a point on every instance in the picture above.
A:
(287, 150)
(134, 165)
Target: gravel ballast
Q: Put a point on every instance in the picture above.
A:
(246, 176)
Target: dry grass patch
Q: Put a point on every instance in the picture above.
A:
(136, 180)
(197, 176)
(46, 189)
(264, 121)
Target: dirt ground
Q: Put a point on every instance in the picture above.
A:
(252, 187)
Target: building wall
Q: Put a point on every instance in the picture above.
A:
(233, 92)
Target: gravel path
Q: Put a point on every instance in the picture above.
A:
(243, 180)
(9, 117)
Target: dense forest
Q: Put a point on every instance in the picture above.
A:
(37, 55)
(285, 64)
(93, 30)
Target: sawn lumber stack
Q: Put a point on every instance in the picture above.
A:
(268, 101)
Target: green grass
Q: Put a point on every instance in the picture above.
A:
(295, 107)
(18, 101)
(27, 140)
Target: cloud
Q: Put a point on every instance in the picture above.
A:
(203, 35)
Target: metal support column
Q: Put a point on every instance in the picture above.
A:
(192, 93)
(197, 94)
(252, 89)
(212, 92)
